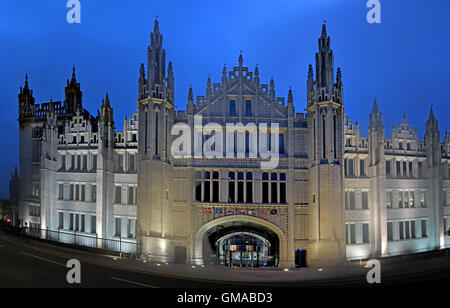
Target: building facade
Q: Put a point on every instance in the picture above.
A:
(333, 195)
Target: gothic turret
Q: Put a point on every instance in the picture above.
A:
(73, 101)
(26, 99)
(325, 115)
(432, 141)
(106, 112)
(376, 135)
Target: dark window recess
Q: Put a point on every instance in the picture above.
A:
(265, 192)
(274, 192)
(283, 192)
(249, 192)
(231, 192)
(240, 192)
(198, 191)
(207, 192)
(215, 191)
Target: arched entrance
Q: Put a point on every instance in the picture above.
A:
(240, 241)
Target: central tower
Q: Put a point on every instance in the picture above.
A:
(156, 117)
(325, 116)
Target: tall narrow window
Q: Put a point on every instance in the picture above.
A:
(365, 200)
(240, 183)
(93, 224)
(82, 223)
(352, 234)
(215, 188)
(248, 108)
(274, 188)
(61, 221)
(83, 193)
(63, 162)
(324, 154)
(94, 163)
(401, 230)
(120, 163)
(130, 195)
(388, 199)
(265, 188)
(352, 200)
(389, 231)
(132, 163)
(77, 192)
(232, 108)
(118, 196)
(207, 185)
(424, 228)
(407, 234)
(71, 221)
(388, 168)
(77, 222)
(350, 168)
(131, 228)
(118, 227)
(365, 230)
(94, 193)
(156, 133)
(335, 137)
(231, 187)
(249, 183)
(362, 169)
(61, 191)
(198, 186)
(146, 131)
(283, 188)
(422, 199)
(281, 143)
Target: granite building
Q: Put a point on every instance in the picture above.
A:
(334, 194)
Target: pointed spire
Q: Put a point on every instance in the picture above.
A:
(106, 100)
(224, 74)
(26, 81)
(190, 95)
(156, 28)
(324, 29)
(74, 79)
(142, 71)
(375, 106)
(339, 76)
(431, 115)
(290, 97)
(310, 72)
(404, 118)
(241, 59)
(256, 71)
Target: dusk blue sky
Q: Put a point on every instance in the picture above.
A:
(404, 61)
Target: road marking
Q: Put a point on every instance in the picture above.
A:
(135, 283)
(43, 259)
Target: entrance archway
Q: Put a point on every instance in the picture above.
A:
(240, 240)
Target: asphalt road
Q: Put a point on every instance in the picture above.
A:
(31, 266)
(26, 263)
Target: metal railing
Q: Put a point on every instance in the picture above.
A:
(120, 245)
